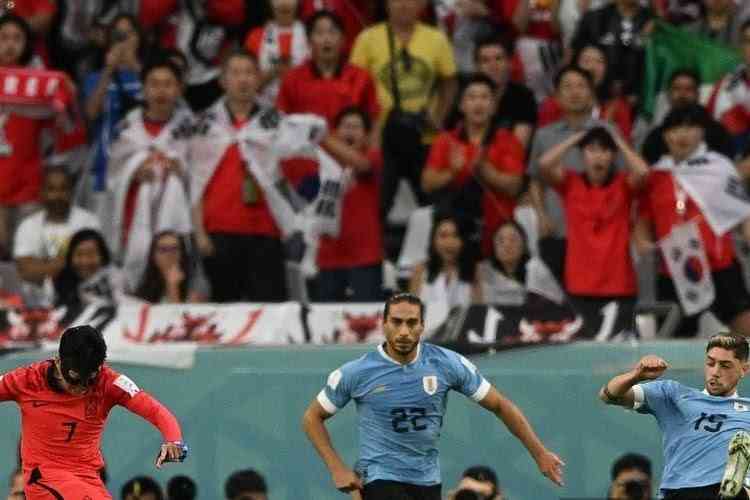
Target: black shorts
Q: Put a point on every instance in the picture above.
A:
(710, 492)
(392, 490)
(732, 298)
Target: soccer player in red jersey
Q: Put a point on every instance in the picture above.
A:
(64, 403)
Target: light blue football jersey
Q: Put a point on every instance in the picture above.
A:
(400, 409)
(696, 430)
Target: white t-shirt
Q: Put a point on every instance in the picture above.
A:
(36, 237)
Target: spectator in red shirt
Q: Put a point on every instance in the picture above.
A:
(598, 204)
(611, 108)
(327, 83)
(278, 46)
(21, 153)
(353, 18)
(665, 205)
(516, 105)
(476, 169)
(351, 265)
(39, 15)
(235, 230)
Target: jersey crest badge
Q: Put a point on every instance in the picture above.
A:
(740, 407)
(430, 384)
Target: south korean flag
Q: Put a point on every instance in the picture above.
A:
(687, 263)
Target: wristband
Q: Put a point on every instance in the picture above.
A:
(183, 451)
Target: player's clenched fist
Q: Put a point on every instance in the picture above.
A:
(650, 367)
(346, 480)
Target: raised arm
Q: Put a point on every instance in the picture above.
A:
(549, 464)
(619, 390)
(637, 166)
(313, 423)
(551, 167)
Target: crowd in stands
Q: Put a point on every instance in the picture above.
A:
(520, 122)
(631, 479)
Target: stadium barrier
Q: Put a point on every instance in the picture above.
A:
(241, 407)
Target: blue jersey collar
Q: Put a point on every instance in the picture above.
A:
(386, 356)
(733, 395)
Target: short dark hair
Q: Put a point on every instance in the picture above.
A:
(630, 461)
(23, 25)
(690, 115)
(140, 485)
(574, 68)
(161, 61)
(744, 26)
(181, 488)
(478, 79)
(323, 14)
(353, 111)
(238, 54)
(133, 23)
(482, 473)
(496, 40)
(398, 298)
(82, 348)
(244, 481)
(599, 136)
(731, 342)
(685, 72)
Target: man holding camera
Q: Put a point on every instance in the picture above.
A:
(631, 478)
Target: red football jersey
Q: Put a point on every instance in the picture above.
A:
(64, 431)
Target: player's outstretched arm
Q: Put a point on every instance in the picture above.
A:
(313, 423)
(619, 390)
(549, 464)
(150, 409)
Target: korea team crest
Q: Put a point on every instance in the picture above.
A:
(430, 384)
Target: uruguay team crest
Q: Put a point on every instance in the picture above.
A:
(740, 407)
(430, 384)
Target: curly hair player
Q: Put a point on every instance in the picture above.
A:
(706, 444)
(401, 392)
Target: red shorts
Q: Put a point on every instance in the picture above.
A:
(56, 484)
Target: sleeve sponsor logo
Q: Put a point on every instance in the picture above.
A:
(334, 378)
(127, 385)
